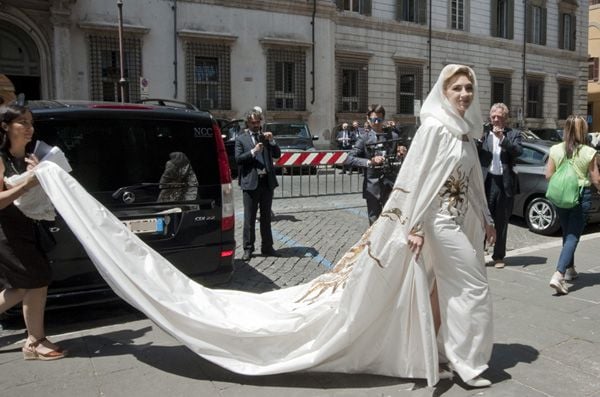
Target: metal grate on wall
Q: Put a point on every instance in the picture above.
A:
(207, 75)
(105, 69)
(409, 88)
(286, 80)
(352, 86)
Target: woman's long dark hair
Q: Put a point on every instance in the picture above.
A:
(8, 114)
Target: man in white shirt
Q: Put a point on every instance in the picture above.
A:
(498, 151)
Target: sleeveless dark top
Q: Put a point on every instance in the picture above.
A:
(22, 264)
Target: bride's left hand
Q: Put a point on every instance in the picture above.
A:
(415, 243)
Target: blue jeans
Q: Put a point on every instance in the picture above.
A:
(572, 223)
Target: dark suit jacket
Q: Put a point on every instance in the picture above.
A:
(361, 153)
(510, 150)
(348, 144)
(248, 165)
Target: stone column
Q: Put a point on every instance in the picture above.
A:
(60, 16)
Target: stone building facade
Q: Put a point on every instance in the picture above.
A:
(323, 61)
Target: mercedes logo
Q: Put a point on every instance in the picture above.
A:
(128, 197)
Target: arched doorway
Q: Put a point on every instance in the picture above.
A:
(20, 61)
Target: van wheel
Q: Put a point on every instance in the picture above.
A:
(541, 216)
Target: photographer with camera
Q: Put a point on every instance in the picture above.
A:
(254, 154)
(377, 153)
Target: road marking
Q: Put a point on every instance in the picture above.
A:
(543, 246)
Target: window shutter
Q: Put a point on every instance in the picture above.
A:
(561, 30)
(422, 12)
(511, 18)
(399, 5)
(573, 32)
(494, 18)
(544, 17)
(367, 7)
(529, 23)
(596, 69)
(339, 4)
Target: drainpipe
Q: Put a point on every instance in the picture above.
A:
(312, 72)
(429, 45)
(174, 8)
(524, 77)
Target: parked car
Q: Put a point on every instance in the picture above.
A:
(162, 170)
(539, 213)
(549, 134)
(292, 136)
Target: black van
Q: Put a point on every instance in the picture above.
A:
(163, 171)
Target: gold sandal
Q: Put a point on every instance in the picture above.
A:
(30, 352)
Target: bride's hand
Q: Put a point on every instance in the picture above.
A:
(415, 243)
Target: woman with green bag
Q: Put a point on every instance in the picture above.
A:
(583, 159)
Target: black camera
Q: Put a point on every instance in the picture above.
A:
(260, 138)
(388, 150)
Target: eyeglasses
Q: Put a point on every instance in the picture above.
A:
(376, 120)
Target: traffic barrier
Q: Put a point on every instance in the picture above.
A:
(314, 158)
(315, 173)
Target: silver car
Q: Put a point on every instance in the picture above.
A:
(531, 203)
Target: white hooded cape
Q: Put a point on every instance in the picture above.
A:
(370, 314)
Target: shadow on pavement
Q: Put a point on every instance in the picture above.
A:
(246, 278)
(505, 356)
(525, 261)
(585, 280)
(180, 361)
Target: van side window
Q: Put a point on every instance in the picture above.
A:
(165, 159)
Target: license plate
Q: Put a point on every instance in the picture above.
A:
(143, 226)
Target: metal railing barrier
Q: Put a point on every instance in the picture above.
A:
(316, 173)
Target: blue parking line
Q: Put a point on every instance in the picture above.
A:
(289, 242)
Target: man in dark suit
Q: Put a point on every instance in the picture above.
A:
(370, 153)
(345, 140)
(498, 150)
(254, 154)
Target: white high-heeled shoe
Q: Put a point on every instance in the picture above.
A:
(479, 382)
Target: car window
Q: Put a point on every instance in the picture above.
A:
(531, 156)
(295, 130)
(108, 154)
(232, 129)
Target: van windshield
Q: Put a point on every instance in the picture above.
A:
(169, 158)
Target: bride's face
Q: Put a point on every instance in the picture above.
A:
(459, 92)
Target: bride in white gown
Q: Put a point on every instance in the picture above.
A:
(373, 312)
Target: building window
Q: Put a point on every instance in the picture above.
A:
(457, 14)
(359, 6)
(409, 87)
(502, 24)
(565, 100)
(207, 75)
(352, 86)
(536, 23)
(501, 86)
(286, 79)
(567, 26)
(535, 97)
(412, 11)
(567, 34)
(593, 69)
(105, 71)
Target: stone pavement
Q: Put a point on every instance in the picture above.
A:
(544, 345)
